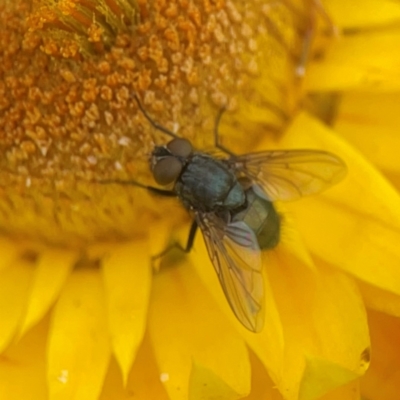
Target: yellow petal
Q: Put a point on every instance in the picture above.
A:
(291, 240)
(51, 271)
(355, 225)
(8, 251)
(127, 278)
(367, 61)
(351, 391)
(267, 344)
(380, 300)
(363, 13)
(22, 367)
(368, 249)
(190, 336)
(382, 380)
(143, 381)
(320, 376)
(205, 384)
(370, 122)
(14, 283)
(79, 348)
(262, 387)
(325, 327)
(113, 387)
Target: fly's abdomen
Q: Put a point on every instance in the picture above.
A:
(261, 217)
(208, 184)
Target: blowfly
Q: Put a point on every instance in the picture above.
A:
(231, 200)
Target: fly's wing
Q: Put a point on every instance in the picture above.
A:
(290, 174)
(235, 254)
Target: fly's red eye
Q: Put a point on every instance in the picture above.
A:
(180, 147)
(167, 170)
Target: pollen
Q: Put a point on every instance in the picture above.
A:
(70, 70)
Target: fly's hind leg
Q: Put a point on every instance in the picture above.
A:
(165, 193)
(176, 245)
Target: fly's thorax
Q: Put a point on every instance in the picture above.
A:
(208, 184)
(261, 217)
(168, 161)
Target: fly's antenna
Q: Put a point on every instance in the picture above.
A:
(154, 124)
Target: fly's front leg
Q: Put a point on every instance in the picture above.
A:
(153, 123)
(152, 189)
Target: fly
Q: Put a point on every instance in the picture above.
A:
(231, 200)
(261, 217)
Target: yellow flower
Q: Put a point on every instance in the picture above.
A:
(82, 314)
(362, 67)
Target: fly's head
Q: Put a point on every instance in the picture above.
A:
(168, 161)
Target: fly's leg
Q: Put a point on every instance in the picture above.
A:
(305, 52)
(176, 245)
(324, 14)
(217, 143)
(154, 124)
(318, 9)
(161, 192)
(165, 193)
(272, 107)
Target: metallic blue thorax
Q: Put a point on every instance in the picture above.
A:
(208, 184)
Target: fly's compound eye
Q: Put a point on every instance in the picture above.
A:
(167, 170)
(180, 147)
